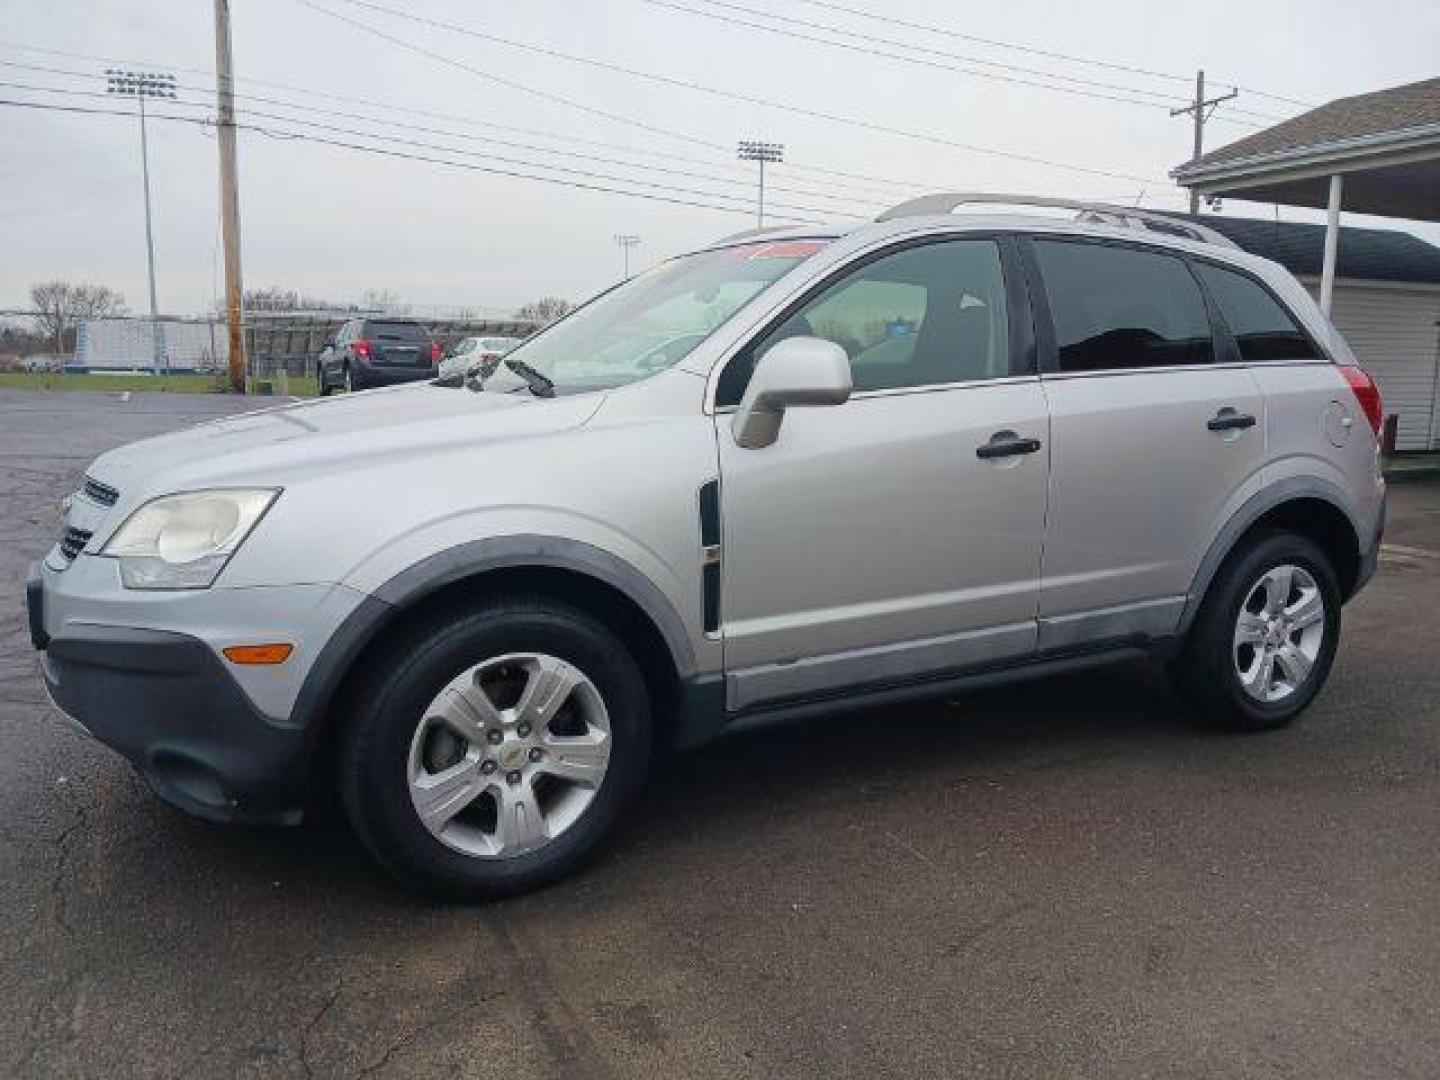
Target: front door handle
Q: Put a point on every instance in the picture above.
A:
(1006, 444)
(1227, 419)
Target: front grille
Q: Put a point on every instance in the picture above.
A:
(73, 541)
(103, 494)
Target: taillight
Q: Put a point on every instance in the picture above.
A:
(1367, 394)
(362, 348)
(434, 352)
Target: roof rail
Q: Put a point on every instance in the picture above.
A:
(1125, 217)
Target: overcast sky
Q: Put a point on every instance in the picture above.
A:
(333, 222)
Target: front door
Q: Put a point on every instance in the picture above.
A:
(871, 544)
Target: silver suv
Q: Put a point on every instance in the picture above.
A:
(793, 471)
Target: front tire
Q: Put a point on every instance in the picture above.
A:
(1264, 640)
(322, 385)
(497, 748)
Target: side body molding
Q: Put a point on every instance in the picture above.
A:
(465, 560)
(1251, 511)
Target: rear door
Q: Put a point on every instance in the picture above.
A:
(1157, 435)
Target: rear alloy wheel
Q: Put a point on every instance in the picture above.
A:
(1279, 631)
(1264, 639)
(490, 750)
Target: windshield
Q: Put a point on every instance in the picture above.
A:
(652, 321)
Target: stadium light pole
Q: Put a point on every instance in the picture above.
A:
(141, 85)
(626, 242)
(761, 152)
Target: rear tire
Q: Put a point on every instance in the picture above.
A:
(522, 727)
(1263, 642)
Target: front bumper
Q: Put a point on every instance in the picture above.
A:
(166, 703)
(142, 673)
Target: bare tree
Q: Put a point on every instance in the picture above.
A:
(384, 301)
(545, 310)
(59, 306)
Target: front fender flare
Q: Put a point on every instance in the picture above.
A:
(453, 564)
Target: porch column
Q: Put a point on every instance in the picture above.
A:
(1332, 243)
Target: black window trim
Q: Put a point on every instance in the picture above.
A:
(1321, 354)
(1022, 324)
(1223, 350)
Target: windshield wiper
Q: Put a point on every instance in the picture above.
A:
(540, 385)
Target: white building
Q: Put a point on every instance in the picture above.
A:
(128, 345)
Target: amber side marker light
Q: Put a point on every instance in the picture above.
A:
(276, 653)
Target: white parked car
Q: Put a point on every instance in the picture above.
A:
(468, 352)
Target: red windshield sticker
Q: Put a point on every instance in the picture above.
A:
(779, 249)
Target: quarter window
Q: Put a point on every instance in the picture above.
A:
(1260, 326)
(921, 316)
(1122, 308)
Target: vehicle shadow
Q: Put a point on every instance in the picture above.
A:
(747, 782)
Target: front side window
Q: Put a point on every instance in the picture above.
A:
(921, 316)
(654, 320)
(1118, 308)
(1260, 326)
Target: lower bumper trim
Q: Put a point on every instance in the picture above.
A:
(166, 703)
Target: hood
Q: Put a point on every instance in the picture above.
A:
(277, 445)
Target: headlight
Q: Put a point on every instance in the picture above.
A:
(184, 541)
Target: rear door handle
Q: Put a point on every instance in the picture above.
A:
(1227, 419)
(1006, 444)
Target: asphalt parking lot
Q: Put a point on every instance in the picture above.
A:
(1064, 879)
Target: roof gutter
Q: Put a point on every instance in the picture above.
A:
(1328, 153)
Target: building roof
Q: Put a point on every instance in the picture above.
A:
(1380, 111)
(1363, 254)
(1386, 145)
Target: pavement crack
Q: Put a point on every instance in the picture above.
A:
(314, 1022)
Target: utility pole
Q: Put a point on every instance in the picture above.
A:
(761, 152)
(1197, 109)
(141, 85)
(626, 242)
(229, 195)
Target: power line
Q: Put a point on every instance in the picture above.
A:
(843, 209)
(1103, 91)
(868, 49)
(859, 181)
(931, 28)
(817, 114)
(407, 156)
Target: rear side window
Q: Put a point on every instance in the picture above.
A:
(394, 331)
(1120, 308)
(1261, 327)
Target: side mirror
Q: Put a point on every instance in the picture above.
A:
(796, 372)
(329, 343)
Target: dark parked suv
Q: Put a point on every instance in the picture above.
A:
(374, 352)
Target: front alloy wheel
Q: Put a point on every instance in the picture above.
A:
(509, 755)
(490, 746)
